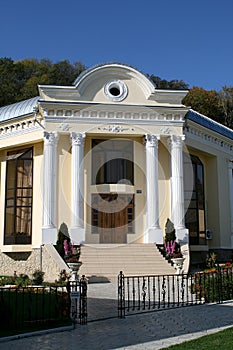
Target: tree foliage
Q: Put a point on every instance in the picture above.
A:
(165, 84)
(19, 80)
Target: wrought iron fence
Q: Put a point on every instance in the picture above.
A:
(27, 308)
(30, 308)
(138, 294)
(78, 296)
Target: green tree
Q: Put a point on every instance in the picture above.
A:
(9, 86)
(204, 102)
(64, 73)
(226, 101)
(165, 84)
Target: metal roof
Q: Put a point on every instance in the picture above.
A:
(209, 123)
(18, 109)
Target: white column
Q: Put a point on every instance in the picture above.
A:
(230, 171)
(154, 232)
(49, 230)
(177, 187)
(177, 197)
(77, 231)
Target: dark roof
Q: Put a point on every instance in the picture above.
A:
(209, 123)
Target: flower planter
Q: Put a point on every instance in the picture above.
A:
(74, 267)
(178, 264)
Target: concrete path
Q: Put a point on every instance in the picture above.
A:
(154, 330)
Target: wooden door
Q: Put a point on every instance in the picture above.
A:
(112, 217)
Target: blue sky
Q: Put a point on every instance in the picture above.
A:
(173, 39)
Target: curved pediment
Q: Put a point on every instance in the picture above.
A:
(112, 83)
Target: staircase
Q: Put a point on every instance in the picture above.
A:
(107, 260)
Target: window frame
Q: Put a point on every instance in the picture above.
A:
(18, 194)
(196, 204)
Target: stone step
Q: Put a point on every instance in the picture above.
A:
(133, 259)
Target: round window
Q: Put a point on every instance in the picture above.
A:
(116, 90)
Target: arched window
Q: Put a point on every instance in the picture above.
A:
(18, 202)
(195, 201)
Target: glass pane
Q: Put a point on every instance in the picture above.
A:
(201, 214)
(9, 224)
(23, 220)
(112, 161)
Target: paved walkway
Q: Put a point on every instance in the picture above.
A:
(154, 330)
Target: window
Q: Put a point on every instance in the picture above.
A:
(18, 202)
(112, 162)
(195, 201)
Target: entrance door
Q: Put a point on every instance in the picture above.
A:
(112, 217)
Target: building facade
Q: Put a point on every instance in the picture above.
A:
(113, 158)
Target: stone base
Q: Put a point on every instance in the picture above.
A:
(182, 237)
(77, 235)
(154, 235)
(49, 235)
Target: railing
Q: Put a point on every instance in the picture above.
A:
(138, 294)
(30, 308)
(78, 296)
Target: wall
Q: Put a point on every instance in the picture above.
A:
(28, 262)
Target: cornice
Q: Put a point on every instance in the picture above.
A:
(101, 115)
(21, 127)
(208, 137)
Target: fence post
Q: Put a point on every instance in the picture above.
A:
(121, 295)
(83, 300)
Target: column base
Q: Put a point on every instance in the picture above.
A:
(49, 235)
(77, 235)
(182, 237)
(154, 235)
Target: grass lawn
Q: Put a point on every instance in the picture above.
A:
(218, 341)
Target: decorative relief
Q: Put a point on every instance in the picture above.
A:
(115, 128)
(165, 130)
(64, 126)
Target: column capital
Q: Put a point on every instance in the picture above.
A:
(151, 140)
(175, 141)
(230, 163)
(77, 138)
(51, 138)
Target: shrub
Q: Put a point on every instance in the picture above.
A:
(63, 234)
(38, 277)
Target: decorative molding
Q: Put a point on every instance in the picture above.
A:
(203, 136)
(115, 128)
(120, 86)
(69, 115)
(21, 127)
